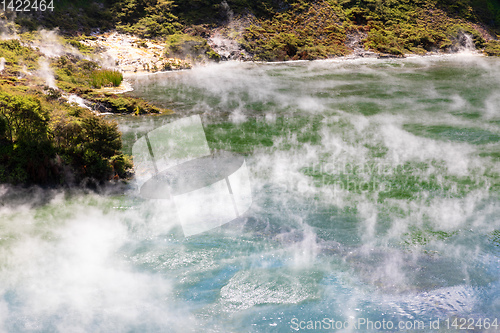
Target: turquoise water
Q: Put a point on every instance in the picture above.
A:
(375, 199)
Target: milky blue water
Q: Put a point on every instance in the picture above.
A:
(375, 200)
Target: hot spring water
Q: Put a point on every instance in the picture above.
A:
(375, 191)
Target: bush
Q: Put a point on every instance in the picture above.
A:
(95, 166)
(184, 46)
(105, 78)
(492, 48)
(36, 131)
(122, 165)
(17, 56)
(70, 16)
(25, 138)
(146, 18)
(88, 142)
(26, 120)
(305, 31)
(123, 104)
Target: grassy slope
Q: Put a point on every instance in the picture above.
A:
(395, 27)
(293, 29)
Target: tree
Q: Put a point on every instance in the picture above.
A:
(27, 148)
(24, 118)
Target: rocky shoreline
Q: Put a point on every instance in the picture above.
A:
(135, 56)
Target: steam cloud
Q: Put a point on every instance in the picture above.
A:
(121, 263)
(46, 73)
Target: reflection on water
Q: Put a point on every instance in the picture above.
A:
(375, 191)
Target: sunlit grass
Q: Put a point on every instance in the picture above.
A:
(105, 78)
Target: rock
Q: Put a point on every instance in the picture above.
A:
(387, 56)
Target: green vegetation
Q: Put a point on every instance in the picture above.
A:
(78, 76)
(42, 138)
(82, 48)
(106, 78)
(71, 17)
(146, 18)
(411, 27)
(311, 30)
(492, 48)
(41, 134)
(17, 57)
(303, 32)
(286, 29)
(183, 46)
(74, 74)
(123, 104)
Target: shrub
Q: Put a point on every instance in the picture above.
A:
(95, 166)
(26, 120)
(122, 165)
(492, 48)
(36, 131)
(25, 138)
(146, 18)
(17, 56)
(183, 46)
(105, 78)
(305, 31)
(3, 129)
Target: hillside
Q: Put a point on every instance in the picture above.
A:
(272, 30)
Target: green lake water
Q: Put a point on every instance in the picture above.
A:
(375, 188)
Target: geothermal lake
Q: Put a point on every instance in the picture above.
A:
(376, 201)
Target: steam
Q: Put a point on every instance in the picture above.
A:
(76, 276)
(417, 245)
(223, 41)
(46, 73)
(345, 133)
(78, 101)
(492, 107)
(7, 29)
(229, 12)
(50, 45)
(466, 44)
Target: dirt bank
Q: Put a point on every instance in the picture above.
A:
(131, 54)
